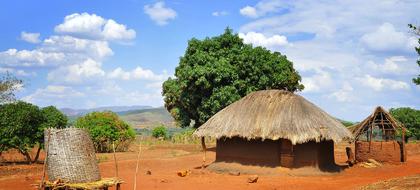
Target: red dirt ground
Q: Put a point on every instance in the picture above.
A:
(165, 160)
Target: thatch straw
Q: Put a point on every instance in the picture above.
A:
(274, 114)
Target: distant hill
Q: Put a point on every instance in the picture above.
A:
(148, 118)
(80, 112)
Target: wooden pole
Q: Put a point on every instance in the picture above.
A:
(115, 160)
(41, 185)
(404, 158)
(203, 146)
(137, 167)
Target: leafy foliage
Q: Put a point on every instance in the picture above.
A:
(410, 118)
(106, 128)
(160, 131)
(20, 127)
(216, 72)
(416, 31)
(54, 118)
(8, 85)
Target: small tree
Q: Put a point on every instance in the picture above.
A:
(20, 126)
(106, 128)
(410, 118)
(416, 32)
(8, 85)
(160, 131)
(216, 72)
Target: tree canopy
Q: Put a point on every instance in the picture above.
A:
(410, 118)
(8, 85)
(106, 128)
(416, 31)
(20, 126)
(217, 71)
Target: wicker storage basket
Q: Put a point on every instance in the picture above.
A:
(71, 156)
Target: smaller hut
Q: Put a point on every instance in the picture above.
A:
(376, 138)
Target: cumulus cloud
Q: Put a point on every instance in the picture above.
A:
(321, 80)
(380, 84)
(27, 58)
(263, 7)
(137, 74)
(344, 94)
(387, 38)
(395, 65)
(77, 73)
(30, 37)
(259, 39)
(44, 96)
(159, 13)
(91, 26)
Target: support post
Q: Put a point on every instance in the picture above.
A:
(115, 160)
(41, 186)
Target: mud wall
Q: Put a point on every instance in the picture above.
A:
(252, 152)
(380, 151)
(314, 154)
(274, 153)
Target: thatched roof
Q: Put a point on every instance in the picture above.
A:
(274, 114)
(379, 117)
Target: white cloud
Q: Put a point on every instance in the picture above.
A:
(30, 37)
(77, 73)
(263, 7)
(91, 26)
(46, 96)
(258, 39)
(380, 84)
(249, 12)
(137, 74)
(387, 38)
(159, 13)
(315, 83)
(396, 65)
(219, 13)
(344, 94)
(17, 72)
(27, 58)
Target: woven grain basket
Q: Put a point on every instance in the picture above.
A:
(71, 156)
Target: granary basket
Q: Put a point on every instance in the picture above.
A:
(71, 156)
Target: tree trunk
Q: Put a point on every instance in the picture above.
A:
(27, 156)
(37, 154)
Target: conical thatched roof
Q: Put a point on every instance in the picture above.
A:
(379, 117)
(274, 114)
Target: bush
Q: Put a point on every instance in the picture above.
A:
(106, 128)
(160, 131)
(185, 137)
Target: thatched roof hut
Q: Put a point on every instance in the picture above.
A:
(376, 137)
(268, 119)
(274, 114)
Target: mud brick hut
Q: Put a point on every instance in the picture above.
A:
(376, 138)
(274, 128)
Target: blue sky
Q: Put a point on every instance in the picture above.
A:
(352, 55)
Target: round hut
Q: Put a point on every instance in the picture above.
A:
(274, 128)
(376, 138)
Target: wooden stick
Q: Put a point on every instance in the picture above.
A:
(115, 159)
(41, 185)
(137, 167)
(203, 146)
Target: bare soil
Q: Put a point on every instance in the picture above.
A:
(164, 161)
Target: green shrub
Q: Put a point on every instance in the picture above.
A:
(106, 128)
(184, 137)
(160, 131)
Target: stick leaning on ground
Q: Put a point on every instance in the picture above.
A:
(137, 167)
(41, 185)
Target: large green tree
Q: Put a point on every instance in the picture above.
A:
(217, 71)
(416, 31)
(20, 125)
(8, 85)
(106, 128)
(410, 118)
